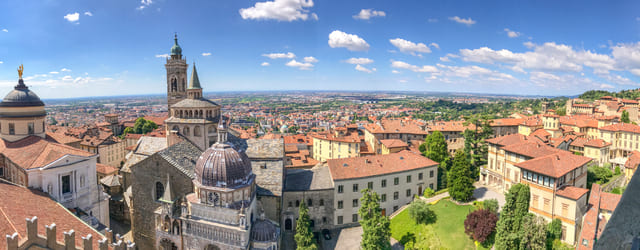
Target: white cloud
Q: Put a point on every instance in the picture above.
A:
(339, 39)
(606, 86)
(402, 81)
(410, 47)
(144, 4)
(363, 69)
(395, 71)
(467, 21)
(5, 30)
(511, 33)
(163, 56)
(264, 64)
(435, 45)
(54, 72)
(72, 17)
(627, 56)
(310, 59)
(366, 14)
(445, 59)
(1, 62)
(206, 54)
(67, 78)
(529, 44)
(414, 68)
(65, 70)
(299, 65)
(88, 13)
(360, 60)
(287, 55)
(432, 20)
(281, 10)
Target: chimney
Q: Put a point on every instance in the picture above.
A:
(70, 240)
(51, 235)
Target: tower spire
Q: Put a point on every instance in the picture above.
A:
(194, 82)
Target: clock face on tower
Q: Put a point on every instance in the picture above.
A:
(213, 197)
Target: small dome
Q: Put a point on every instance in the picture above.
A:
(175, 49)
(264, 231)
(222, 166)
(21, 96)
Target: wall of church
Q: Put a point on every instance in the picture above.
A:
(21, 127)
(145, 175)
(197, 133)
(319, 202)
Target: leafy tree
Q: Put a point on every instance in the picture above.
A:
(421, 213)
(561, 111)
(304, 236)
(375, 226)
(460, 181)
(625, 117)
(480, 224)
(436, 149)
(508, 228)
(534, 234)
(128, 130)
(598, 175)
(428, 192)
(491, 205)
(142, 126)
(554, 231)
(474, 142)
(53, 121)
(617, 171)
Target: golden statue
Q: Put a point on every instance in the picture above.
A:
(20, 69)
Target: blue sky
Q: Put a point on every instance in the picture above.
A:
(100, 48)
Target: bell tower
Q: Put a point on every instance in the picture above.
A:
(176, 75)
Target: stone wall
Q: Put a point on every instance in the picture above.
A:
(322, 215)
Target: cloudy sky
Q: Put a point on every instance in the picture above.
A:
(73, 48)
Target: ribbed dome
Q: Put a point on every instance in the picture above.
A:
(21, 96)
(176, 50)
(264, 231)
(222, 166)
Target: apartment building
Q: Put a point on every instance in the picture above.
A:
(395, 177)
(327, 145)
(453, 132)
(624, 139)
(404, 130)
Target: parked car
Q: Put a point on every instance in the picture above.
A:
(326, 233)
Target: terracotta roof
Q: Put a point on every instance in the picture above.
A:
(366, 166)
(35, 152)
(27, 203)
(579, 142)
(633, 160)
(352, 138)
(541, 133)
(624, 127)
(609, 201)
(60, 137)
(449, 126)
(395, 127)
(572, 192)
(597, 143)
(532, 149)
(506, 122)
(158, 120)
(554, 165)
(507, 139)
(105, 169)
(393, 143)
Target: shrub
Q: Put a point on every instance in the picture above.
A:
(491, 205)
(420, 212)
(480, 224)
(428, 192)
(617, 172)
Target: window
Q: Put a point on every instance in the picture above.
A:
(563, 235)
(396, 181)
(395, 195)
(355, 187)
(408, 178)
(534, 201)
(408, 192)
(383, 183)
(340, 189)
(340, 205)
(354, 218)
(419, 176)
(310, 202)
(66, 185)
(290, 204)
(321, 202)
(355, 202)
(565, 209)
(370, 185)
(395, 208)
(431, 174)
(546, 203)
(383, 197)
(12, 129)
(30, 128)
(297, 203)
(339, 220)
(324, 219)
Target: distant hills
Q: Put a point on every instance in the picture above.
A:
(597, 94)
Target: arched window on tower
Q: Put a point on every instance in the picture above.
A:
(184, 85)
(174, 84)
(186, 131)
(159, 190)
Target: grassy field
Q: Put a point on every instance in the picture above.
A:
(446, 233)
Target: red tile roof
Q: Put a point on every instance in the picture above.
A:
(105, 169)
(633, 160)
(597, 143)
(572, 192)
(506, 122)
(554, 165)
(532, 149)
(624, 127)
(393, 143)
(366, 166)
(395, 127)
(20, 203)
(35, 152)
(609, 201)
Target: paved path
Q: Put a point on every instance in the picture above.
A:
(349, 238)
(483, 193)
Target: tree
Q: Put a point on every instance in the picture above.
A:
(375, 226)
(491, 205)
(625, 117)
(304, 236)
(460, 181)
(480, 224)
(554, 230)
(436, 149)
(534, 233)
(428, 192)
(420, 212)
(508, 228)
(474, 142)
(142, 126)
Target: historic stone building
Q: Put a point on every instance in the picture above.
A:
(176, 75)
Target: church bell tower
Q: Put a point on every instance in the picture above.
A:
(176, 75)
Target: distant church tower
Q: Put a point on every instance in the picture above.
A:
(176, 75)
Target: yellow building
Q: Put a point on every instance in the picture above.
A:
(390, 146)
(631, 165)
(392, 129)
(453, 132)
(331, 146)
(624, 139)
(598, 150)
(529, 125)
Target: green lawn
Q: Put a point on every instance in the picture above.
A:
(446, 233)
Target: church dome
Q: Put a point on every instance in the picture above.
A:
(264, 231)
(222, 166)
(175, 49)
(21, 96)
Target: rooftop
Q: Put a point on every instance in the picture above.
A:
(366, 166)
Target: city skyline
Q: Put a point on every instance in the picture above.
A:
(78, 49)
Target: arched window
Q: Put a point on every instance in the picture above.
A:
(159, 190)
(288, 224)
(196, 131)
(309, 202)
(166, 225)
(174, 84)
(176, 128)
(186, 131)
(176, 227)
